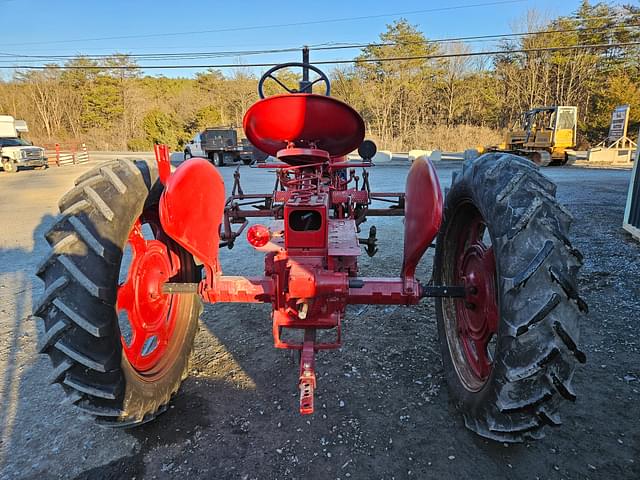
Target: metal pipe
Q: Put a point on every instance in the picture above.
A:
(305, 60)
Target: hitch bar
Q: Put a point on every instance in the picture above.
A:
(307, 380)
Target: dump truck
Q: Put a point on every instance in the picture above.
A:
(16, 152)
(221, 146)
(544, 136)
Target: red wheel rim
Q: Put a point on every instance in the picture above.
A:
(149, 312)
(472, 321)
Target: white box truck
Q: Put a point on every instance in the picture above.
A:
(15, 152)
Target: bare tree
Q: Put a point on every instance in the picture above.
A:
(454, 71)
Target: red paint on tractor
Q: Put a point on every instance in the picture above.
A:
(385, 291)
(163, 157)
(422, 214)
(478, 313)
(191, 209)
(237, 289)
(149, 311)
(306, 121)
(307, 381)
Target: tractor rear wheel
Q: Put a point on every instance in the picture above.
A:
(119, 346)
(509, 348)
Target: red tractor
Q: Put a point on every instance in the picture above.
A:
(504, 277)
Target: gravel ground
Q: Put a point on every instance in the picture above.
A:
(382, 406)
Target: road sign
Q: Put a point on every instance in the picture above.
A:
(619, 122)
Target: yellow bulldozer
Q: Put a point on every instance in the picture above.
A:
(545, 135)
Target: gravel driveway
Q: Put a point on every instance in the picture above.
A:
(382, 407)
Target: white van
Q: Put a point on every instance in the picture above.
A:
(16, 152)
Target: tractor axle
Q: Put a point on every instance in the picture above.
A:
(362, 290)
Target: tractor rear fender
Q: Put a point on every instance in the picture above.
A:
(422, 212)
(191, 209)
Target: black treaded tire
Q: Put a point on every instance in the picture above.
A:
(227, 158)
(536, 349)
(258, 156)
(82, 335)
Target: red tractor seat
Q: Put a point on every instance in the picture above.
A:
(306, 121)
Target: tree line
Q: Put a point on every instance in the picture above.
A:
(439, 98)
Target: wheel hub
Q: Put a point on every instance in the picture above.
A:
(477, 313)
(148, 310)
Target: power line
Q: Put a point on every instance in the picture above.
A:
(153, 56)
(241, 53)
(475, 37)
(614, 16)
(279, 25)
(599, 46)
(496, 52)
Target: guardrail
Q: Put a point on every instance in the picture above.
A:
(67, 153)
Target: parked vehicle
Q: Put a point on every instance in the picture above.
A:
(16, 152)
(543, 136)
(221, 146)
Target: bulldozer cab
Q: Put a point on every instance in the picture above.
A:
(542, 134)
(565, 127)
(550, 127)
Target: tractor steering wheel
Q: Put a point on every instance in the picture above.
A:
(304, 89)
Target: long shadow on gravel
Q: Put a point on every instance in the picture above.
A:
(18, 333)
(15, 288)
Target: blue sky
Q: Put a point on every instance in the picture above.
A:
(69, 27)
